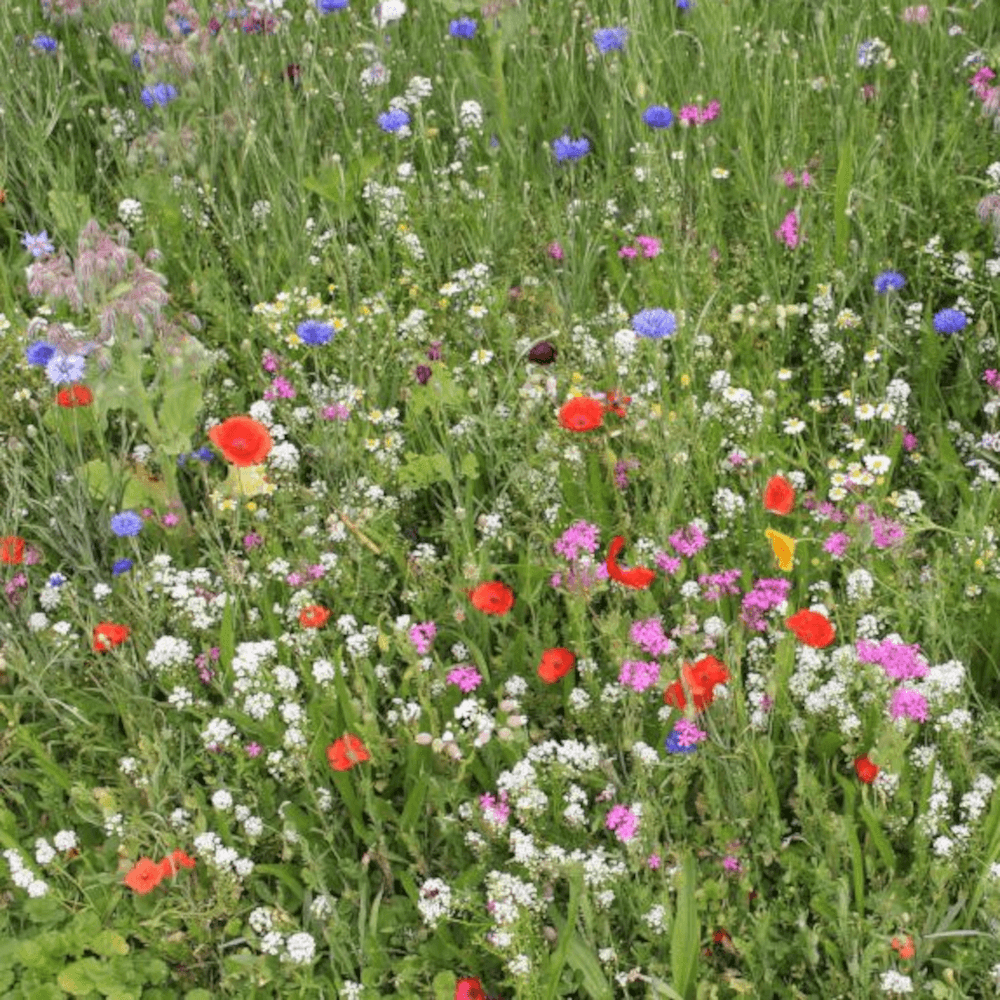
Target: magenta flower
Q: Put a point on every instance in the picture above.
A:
(639, 675)
(624, 822)
(788, 231)
(422, 636)
(909, 703)
(688, 542)
(836, 544)
(555, 251)
(466, 677)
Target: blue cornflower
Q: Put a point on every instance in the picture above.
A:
(609, 39)
(45, 42)
(684, 4)
(40, 245)
(673, 744)
(56, 580)
(950, 321)
(39, 353)
(889, 281)
(570, 149)
(64, 369)
(185, 26)
(204, 453)
(136, 61)
(126, 524)
(122, 566)
(464, 27)
(314, 332)
(658, 116)
(329, 6)
(654, 323)
(393, 119)
(162, 94)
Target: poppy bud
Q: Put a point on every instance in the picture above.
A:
(543, 353)
(423, 374)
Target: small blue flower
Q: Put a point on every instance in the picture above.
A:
(658, 116)
(393, 120)
(204, 453)
(570, 149)
(950, 321)
(122, 566)
(609, 39)
(45, 43)
(654, 323)
(136, 61)
(329, 6)
(39, 353)
(162, 94)
(126, 524)
(889, 281)
(185, 26)
(673, 744)
(56, 580)
(65, 369)
(314, 332)
(684, 4)
(464, 27)
(40, 245)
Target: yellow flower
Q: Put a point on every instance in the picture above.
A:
(979, 564)
(671, 416)
(656, 410)
(685, 380)
(784, 549)
(251, 506)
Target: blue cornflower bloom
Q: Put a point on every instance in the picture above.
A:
(609, 39)
(126, 524)
(45, 42)
(122, 566)
(39, 353)
(314, 332)
(393, 120)
(136, 61)
(204, 453)
(570, 149)
(950, 321)
(162, 94)
(64, 369)
(40, 245)
(684, 4)
(673, 744)
(185, 26)
(464, 27)
(658, 116)
(329, 6)
(56, 580)
(889, 281)
(654, 323)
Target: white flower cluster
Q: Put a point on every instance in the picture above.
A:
(23, 877)
(435, 902)
(227, 859)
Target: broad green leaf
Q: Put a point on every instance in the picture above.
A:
(96, 477)
(78, 977)
(686, 934)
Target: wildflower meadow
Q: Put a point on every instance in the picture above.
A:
(499, 501)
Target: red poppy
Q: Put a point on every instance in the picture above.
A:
(344, 753)
(638, 577)
(582, 414)
(616, 403)
(75, 395)
(469, 989)
(812, 628)
(144, 876)
(242, 440)
(313, 616)
(11, 549)
(494, 598)
(556, 663)
(107, 635)
(172, 865)
(779, 495)
(700, 680)
(867, 771)
(905, 950)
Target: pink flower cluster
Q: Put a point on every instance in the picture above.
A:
(691, 114)
(422, 635)
(917, 15)
(649, 245)
(624, 822)
(789, 179)
(788, 231)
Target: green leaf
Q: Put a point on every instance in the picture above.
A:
(420, 471)
(78, 977)
(282, 874)
(71, 212)
(878, 836)
(178, 414)
(444, 984)
(414, 803)
(227, 633)
(469, 466)
(582, 960)
(686, 934)
(842, 192)
(97, 478)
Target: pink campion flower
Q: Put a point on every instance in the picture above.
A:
(422, 635)
(623, 821)
(980, 82)
(836, 544)
(170, 520)
(628, 252)
(465, 677)
(992, 378)
(667, 564)
(688, 734)
(909, 703)
(639, 675)
(649, 245)
(688, 115)
(649, 636)
(689, 541)
(555, 251)
(732, 864)
(252, 541)
(789, 178)
(710, 112)
(788, 231)
(806, 180)
(339, 411)
(653, 861)
(917, 15)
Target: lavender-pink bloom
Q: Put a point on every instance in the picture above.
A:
(639, 675)
(689, 541)
(909, 703)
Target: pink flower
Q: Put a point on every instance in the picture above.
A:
(251, 541)
(627, 252)
(336, 412)
(555, 251)
(653, 861)
(789, 178)
(466, 678)
(170, 520)
(623, 821)
(788, 231)
(909, 703)
(649, 244)
(422, 635)
(917, 15)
